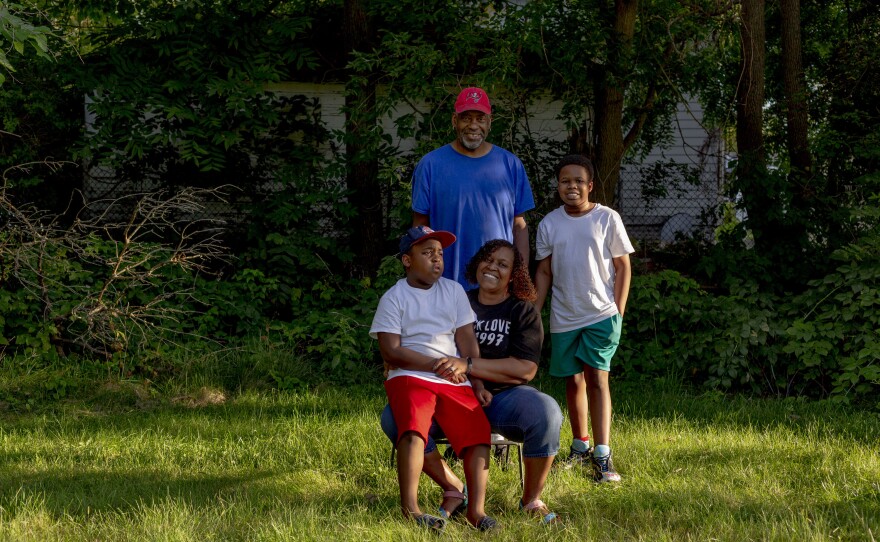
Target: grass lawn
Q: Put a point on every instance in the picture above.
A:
(314, 466)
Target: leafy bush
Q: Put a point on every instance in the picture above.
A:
(821, 343)
(835, 329)
(674, 326)
(330, 326)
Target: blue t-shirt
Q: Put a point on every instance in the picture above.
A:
(474, 198)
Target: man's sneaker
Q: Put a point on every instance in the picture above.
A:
(603, 469)
(579, 458)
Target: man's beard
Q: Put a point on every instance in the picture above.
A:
(470, 145)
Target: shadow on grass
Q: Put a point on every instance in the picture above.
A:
(694, 513)
(96, 491)
(329, 404)
(664, 399)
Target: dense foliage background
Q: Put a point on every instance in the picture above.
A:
(234, 218)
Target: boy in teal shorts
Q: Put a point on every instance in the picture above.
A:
(583, 252)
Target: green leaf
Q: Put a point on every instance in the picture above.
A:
(5, 62)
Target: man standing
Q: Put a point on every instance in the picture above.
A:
(472, 188)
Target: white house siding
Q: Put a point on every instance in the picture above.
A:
(332, 100)
(692, 145)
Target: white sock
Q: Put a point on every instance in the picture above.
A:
(601, 450)
(579, 445)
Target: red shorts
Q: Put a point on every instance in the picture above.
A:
(414, 402)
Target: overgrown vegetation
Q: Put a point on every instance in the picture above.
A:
(183, 101)
(822, 342)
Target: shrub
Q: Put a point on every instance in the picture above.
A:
(111, 291)
(834, 331)
(722, 341)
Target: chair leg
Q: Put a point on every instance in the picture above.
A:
(449, 455)
(393, 453)
(522, 475)
(502, 454)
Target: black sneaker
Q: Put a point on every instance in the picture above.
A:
(603, 469)
(579, 458)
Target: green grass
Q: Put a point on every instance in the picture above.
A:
(314, 466)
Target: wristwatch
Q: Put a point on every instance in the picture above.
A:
(470, 366)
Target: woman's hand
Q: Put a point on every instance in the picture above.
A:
(459, 378)
(484, 396)
(451, 368)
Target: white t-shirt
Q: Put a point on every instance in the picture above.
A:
(583, 271)
(426, 321)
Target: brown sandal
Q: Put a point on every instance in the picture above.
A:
(432, 523)
(487, 523)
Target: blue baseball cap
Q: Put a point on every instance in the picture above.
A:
(423, 233)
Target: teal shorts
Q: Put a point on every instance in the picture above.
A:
(594, 345)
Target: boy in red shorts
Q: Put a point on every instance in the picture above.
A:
(421, 321)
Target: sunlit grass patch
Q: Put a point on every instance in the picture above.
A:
(314, 465)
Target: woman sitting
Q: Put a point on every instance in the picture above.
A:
(509, 330)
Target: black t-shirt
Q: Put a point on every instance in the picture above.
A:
(511, 328)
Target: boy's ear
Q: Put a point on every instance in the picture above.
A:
(406, 261)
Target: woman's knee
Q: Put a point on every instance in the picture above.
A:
(389, 427)
(551, 413)
(542, 426)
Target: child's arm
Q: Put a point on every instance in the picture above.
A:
(468, 347)
(466, 340)
(543, 280)
(401, 357)
(622, 278)
(455, 369)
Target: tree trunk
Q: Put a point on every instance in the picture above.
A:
(795, 92)
(800, 186)
(750, 90)
(751, 170)
(609, 107)
(361, 149)
(609, 143)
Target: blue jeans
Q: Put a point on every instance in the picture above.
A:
(521, 413)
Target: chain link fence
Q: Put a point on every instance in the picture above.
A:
(673, 193)
(659, 203)
(670, 199)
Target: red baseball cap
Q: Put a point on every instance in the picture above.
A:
(473, 99)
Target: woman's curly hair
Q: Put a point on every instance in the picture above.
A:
(520, 285)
